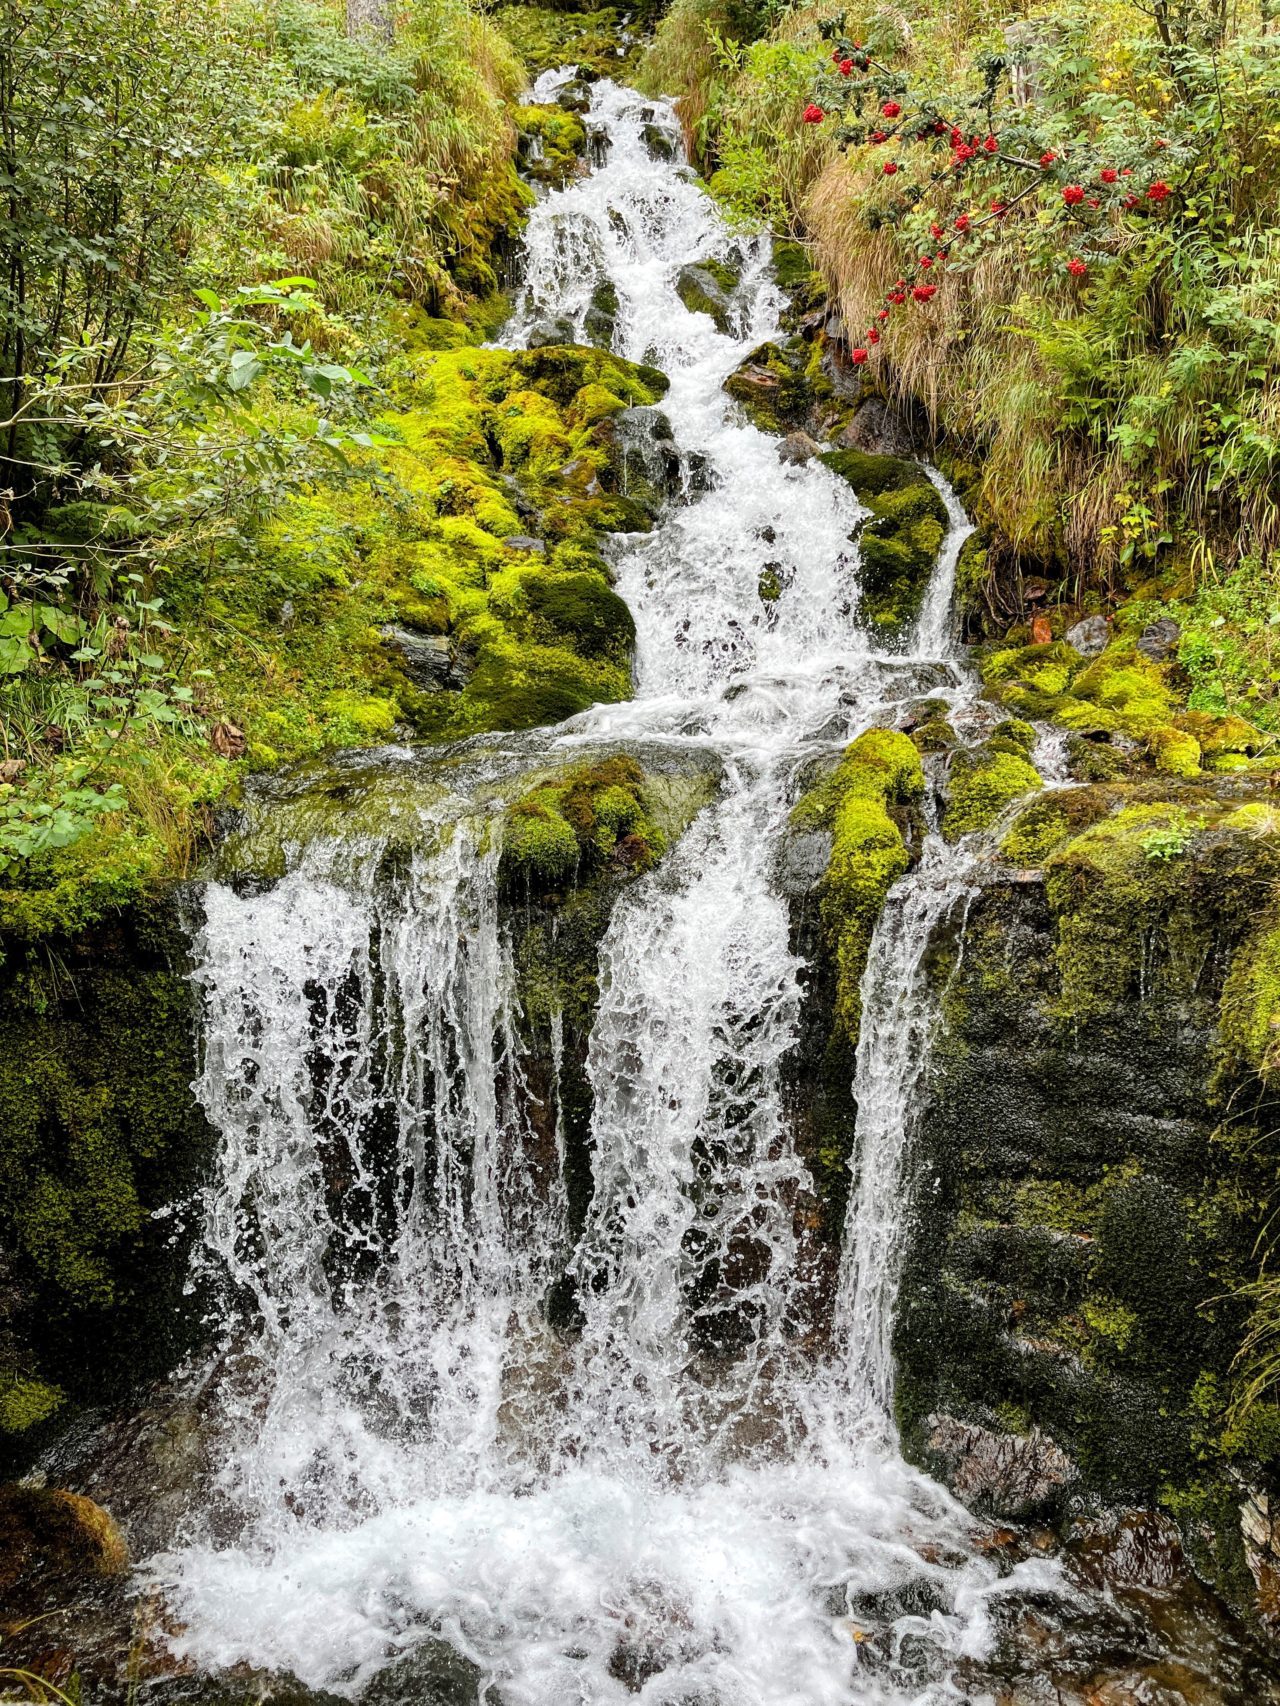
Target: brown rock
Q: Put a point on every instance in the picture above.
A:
(1041, 632)
(1008, 1475)
(50, 1540)
(227, 740)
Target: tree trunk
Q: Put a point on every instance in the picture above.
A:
(372, 18)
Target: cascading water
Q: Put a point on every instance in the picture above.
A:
(684, 1497)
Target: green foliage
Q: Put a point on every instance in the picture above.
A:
(1119, 421)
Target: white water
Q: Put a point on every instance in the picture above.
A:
(404, 1449)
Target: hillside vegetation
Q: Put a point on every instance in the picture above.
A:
(1100, 367)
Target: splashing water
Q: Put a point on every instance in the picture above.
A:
(686, 1498)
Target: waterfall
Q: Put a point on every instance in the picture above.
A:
(893, 1052)
(680, 1498)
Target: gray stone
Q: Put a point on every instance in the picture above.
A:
(877, 429)
(802, 861)
(546, 332)
(707, 287)
(660, 143)
(523, 542)
(1159, 639)
(1090, 636)
(798, 447)
(1013, 1476)
(429, 659)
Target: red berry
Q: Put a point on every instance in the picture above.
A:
(1073, 195)
(935, 230)
(891, 109)
(1094, 202)
(991, 145)
(859, 355)
(846, 67)
(1158, 191)
(883, 314)
(923, 292)
(879, 136)
(1108, 174)
(962, 224)
(813, 114)
(873, 334)
(890, 167)
(1047, 158)
(998, 208)
(1076, 267)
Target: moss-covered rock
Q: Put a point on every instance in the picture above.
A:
(707, 287)
(574, 824)
(899, 543)
(98, 1130)
(1119, 696)
(864, 804)
(1098, 1174)
(781, 386)
(553, 144)
(984, 782)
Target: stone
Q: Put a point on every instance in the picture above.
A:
(1159, 639)
(429, 659)
(1013, 1476)
(1090, 636)
(802, 861)
(1130, 1549)
(51, 1541)
(797, 448)
(659, 143)
(524, 542)
(876, 428)
(647, 465)
(707, 287)
(549, 332)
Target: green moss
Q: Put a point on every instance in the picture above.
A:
(98, 1129)
(877, 781)
(780, 385)
(1147, 887)
(984, 783)
(899, 544)
(547, 37)
(26, 1403)
(561, 139)
(1251, 998)
(579, 821)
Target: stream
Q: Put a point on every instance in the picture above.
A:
(696, 1495)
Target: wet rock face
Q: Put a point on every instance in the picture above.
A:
(98, 1131)
(1014, 1476)
(1061, 1314)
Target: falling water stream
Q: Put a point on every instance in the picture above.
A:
(406, 1453)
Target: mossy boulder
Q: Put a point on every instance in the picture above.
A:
(899, 543)
(782, 386)
(864, 803)
(1119, 697)
(53, 1543)
(552, 144)
(984, 781)
(573, 824)
(707, 287)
